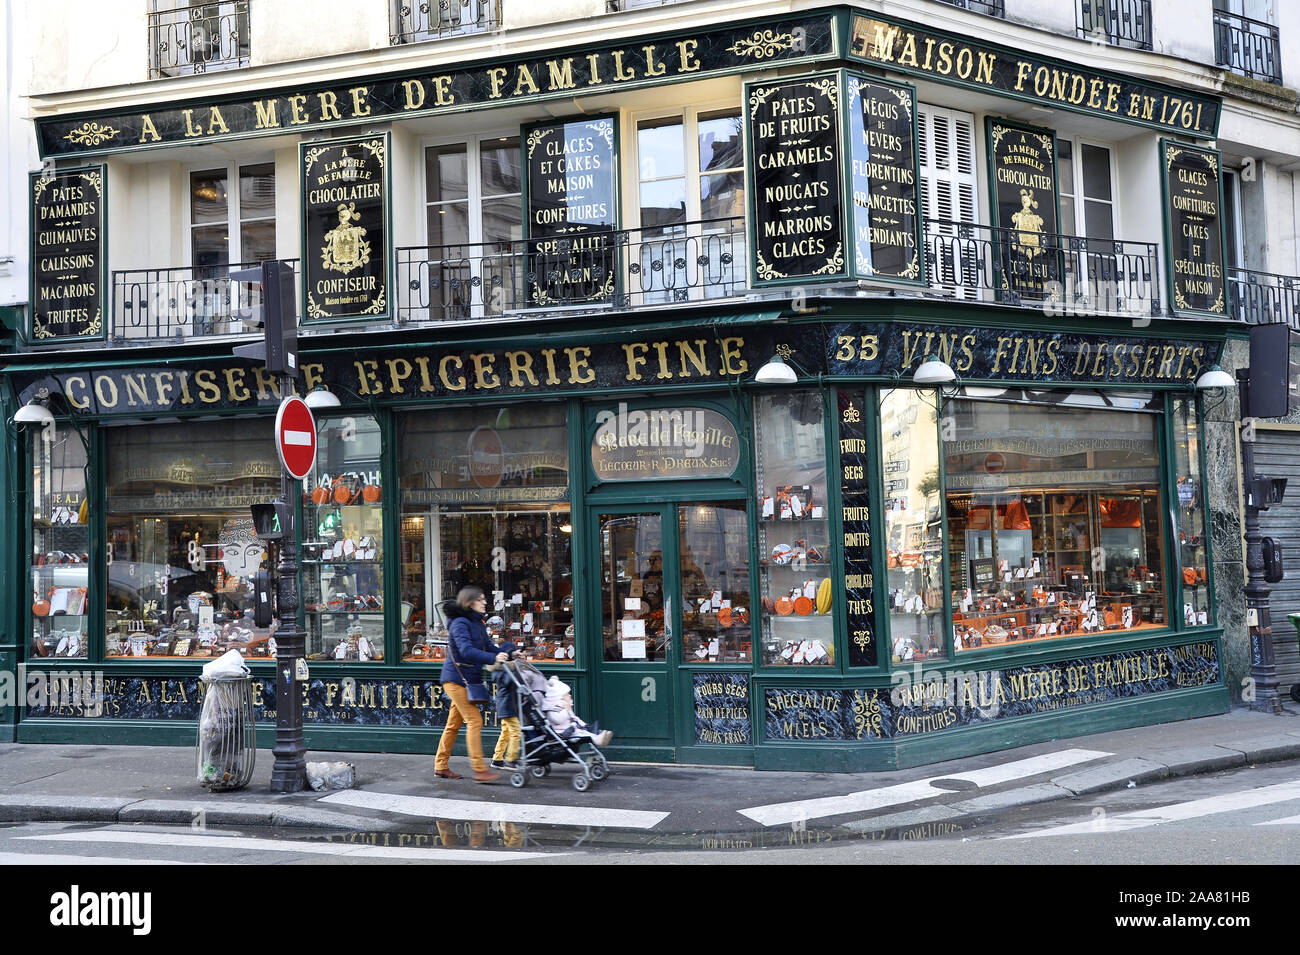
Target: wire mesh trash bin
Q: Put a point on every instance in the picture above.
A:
(227, 733)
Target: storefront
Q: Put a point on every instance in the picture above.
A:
(849, 572)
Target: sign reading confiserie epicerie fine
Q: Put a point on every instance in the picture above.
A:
(1194, 231)
(796, 204)
(1023, 178)
(572, 207)
(68, 260)
(660, 443)
(882, 145)
(345, 228)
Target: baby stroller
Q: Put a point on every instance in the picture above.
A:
(542, 746)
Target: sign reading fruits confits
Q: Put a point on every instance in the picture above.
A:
(855, 499)
(796, 202)
(1194, 234)
(1023, 179)
(882, 144)
(572, 210)
(68, 257)
(345, 228)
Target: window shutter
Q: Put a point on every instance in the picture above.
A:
(948, 183)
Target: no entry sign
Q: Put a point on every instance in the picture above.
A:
(295, 437)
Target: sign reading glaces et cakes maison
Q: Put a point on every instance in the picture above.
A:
(345, 260)
(68, 260)
(1194, 231)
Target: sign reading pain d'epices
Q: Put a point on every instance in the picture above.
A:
(345, 228)
(68, 258)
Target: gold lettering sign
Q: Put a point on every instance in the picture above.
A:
(68, 260)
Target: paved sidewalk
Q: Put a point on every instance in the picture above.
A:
(152, 784)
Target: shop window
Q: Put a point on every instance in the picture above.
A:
(794, 545)
(342, 567)
(231, 225)
(713, 553)
(181, 551)
(485, 503)
(1193, 546)
(60, 545)
(1054, 518)
(913, 526)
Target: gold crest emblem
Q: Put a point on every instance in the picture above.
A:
(345, 246)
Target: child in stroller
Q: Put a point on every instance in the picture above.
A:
(552, 732)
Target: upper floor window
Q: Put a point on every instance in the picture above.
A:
(195, 37)
(232, 217)
(413, 21)
(1117, 22)
(1085, 186)
(1246, 40)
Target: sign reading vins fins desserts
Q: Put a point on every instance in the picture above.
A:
(345, 228)
(855, 499)
(68, 257)
(1194, 233)
(882, 143)
(572, 210)
(1023, 176)
(794, 141)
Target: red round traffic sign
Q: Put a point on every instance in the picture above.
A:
(295, 436)
(994, 462)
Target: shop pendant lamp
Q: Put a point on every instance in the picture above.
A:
(1214, 377)
(776, 372)
(34, 413)
(934, 372)
(321, 398)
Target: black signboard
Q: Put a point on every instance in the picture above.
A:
(1022, 177)
(855, 502)
(721, 703)
(793, 131)
(345, 259)
(882, 144)
(69, 258)
(572, 180)
(1193, 230)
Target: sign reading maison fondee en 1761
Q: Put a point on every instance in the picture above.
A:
(1022, 161)
(345, 228)
(597, 70)
(68, 261)
(882, 146)
(797, 219)
(572, 177)
(1194, 231)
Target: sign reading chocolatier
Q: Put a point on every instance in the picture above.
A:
(855, 500)
(345, 261)
(68, 258)
(572, 209)
(1022, 175)
(1193, 229)
(882, 144)
(793, 130)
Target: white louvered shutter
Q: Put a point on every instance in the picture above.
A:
(948, 182)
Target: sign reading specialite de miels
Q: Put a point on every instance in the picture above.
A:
(345, 260)
(68, 260)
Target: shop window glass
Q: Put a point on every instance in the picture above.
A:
(913, 525)
(485, 503)
(343, 534)
(181, 551)
(60, 545)
(1193, 564)
(1053, 519)
(794, 546)
(713, 554)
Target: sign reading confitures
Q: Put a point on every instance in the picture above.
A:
(650, 362)
(68, 254)
(345, 228)
(1194, 230)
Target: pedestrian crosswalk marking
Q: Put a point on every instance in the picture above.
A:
(435, 808)
(34, 858)
(1178, 812)
(1288, 821)
(779, 814)
(193, 841)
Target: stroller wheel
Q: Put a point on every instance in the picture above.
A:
(519, 779)
(581, 782)
(597, 771)
(540, 772)
(602, 762)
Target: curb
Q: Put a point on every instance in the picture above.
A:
(105, 809)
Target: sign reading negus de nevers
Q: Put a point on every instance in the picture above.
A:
(1194, 234)
(345, 228)
(796, 203)
(68, 257)
(882, 146)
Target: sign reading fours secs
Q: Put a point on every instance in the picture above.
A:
(345, 228)
(68, 257)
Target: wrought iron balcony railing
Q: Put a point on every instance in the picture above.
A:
(176, 304)
(1259, 298)
(617, 269)
(414, 21)
(1247, 46)
(1074, 273)
(198, 38)
(1124, 23)
(992, 8)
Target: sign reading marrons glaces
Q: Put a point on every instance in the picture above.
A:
(345, 228)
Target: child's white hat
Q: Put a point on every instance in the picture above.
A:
(555, 689)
